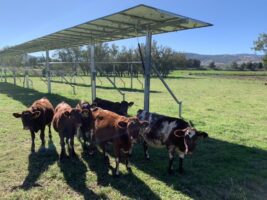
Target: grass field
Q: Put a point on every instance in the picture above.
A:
(230, 164)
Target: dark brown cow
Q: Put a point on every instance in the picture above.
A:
(85, 131)
(173, 133)
(121, 108)
(66, 121)
(36, 117)
(120, 130)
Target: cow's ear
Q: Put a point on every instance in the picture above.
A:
(130, 104)
(144, 123)
(17, 115)
(122, 124)
(202, 134)
(66, 113)
(179, 133)
(94, 109)
(36, 114)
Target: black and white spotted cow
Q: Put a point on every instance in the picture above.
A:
(174, 133)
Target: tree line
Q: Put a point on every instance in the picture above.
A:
(164, 58)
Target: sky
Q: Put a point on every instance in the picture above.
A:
(236, 23)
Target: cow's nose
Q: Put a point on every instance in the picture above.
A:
(26, 128)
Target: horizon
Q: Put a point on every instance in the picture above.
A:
(226, 36)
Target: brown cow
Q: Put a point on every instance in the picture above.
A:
(66, 121)
(36, 117)
(120, 130)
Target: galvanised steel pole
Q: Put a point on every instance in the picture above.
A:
(147, 70)
(48, 74)
(93, 71)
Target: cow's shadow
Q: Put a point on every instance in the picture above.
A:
(39, 162)
(74, 172)
(127, 184)
(217, 169)
(27, 96)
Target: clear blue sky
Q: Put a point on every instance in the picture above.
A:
(237, 23)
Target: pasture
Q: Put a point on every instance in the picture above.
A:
(230, 164)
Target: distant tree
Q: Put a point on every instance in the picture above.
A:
(261, 45)
(235, 66)
(212, 65)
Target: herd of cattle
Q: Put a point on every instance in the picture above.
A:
(105, 122)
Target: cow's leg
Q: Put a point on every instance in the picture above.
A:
(181, 159)
(84, 139)
(33, 143)
(103, 147)
(72, 146)
(117, 159)
(63, 150)
(131, 150)
(146, 150)
(127, 161)
(92, 143)
(42, 136)
(171, 151)
(49, 131)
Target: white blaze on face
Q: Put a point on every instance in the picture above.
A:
(167, 128)
(191, 132)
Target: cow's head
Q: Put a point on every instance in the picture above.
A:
(135, 126)
(84, 105)
(188, 138)
(28, 117)
(123, 107)
(86, 113)
(75, 115)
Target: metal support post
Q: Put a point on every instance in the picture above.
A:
(93, 71)
(131, 76)
(114, 74)
(147, 71)
(48, 75)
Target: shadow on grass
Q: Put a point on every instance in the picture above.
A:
(28, 96)
(109, 88)
(127, 184)
(217, 170)
(39, 163)
(74, 172)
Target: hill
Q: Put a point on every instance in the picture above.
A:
(224, 59)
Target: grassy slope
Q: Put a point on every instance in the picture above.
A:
(231, 164)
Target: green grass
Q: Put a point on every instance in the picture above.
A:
(230, 164)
